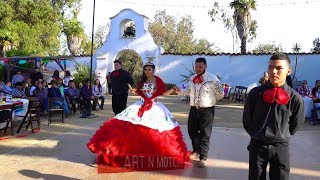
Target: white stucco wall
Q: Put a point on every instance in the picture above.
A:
(243, 70)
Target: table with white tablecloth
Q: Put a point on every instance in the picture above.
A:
(21, 108)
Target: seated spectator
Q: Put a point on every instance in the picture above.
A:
(86, 95)
(42, 94)
(45, 84)
(56, 75)
(316, 96)
(27, 87)
(18, 92)
(17, 77)
(98, 93)
(60, 86)
(80, 85)
(7, 87)
(33, 88)
(54, 92)
(263, 80)
(305, 92)
(67, 78)
(73, 95)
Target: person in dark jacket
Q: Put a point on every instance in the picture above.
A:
(86, 96)
(272, 114)
(54, 92)
(119, 81)
(35, 75)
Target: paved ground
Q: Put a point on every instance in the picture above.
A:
(58, 151)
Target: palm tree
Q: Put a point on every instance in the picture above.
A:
(75, 33)
(296, 49)
(242, 19)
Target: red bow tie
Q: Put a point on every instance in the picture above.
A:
(116, 73)
(197, 79)
(277, 95)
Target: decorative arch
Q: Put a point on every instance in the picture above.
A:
(142, 42)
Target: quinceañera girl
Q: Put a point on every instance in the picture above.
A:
(145, 136)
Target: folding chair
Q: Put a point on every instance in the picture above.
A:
(33, 114)
(53, 109)
(6, 117)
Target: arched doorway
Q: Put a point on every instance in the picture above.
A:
(131, 62)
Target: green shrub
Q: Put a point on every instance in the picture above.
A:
(82, 72)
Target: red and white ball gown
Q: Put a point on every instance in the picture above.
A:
(144, 136)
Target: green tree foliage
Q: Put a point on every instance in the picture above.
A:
(99, 39)
(82, 72)
(35, 26)
(204, 46)
(30, 26)
(132, 62)
(74, 32)
(268, 48)
(176, 36)
(242, 18)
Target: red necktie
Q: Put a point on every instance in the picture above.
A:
(277, 95)
(197, 79)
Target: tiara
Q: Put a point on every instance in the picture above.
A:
(149, 64)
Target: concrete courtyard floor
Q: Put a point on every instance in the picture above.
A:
(59, 151)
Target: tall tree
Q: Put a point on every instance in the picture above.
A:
(268, 48)
(243, 21)
(71, 26)
(132, 62)
(33, 26)
(296, 49)
(98, 40)
(316, 45)
(7, 37)
(175, 36)
(75, 34)
(204, 46)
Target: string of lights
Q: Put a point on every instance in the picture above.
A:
(205, 6)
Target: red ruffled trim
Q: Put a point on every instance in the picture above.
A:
(119, 142)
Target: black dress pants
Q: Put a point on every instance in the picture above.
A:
(199, 128)
(119, 102)
(277, 155)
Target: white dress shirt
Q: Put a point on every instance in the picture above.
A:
(205, 94)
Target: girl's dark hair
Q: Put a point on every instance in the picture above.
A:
(67, 74)
(56, 74)
(143, 78)
(99, 85)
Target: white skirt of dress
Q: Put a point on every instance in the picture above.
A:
(158, 117)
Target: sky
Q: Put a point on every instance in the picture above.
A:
(284, 22)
